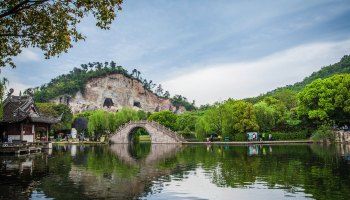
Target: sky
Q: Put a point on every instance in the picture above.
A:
(206, 50)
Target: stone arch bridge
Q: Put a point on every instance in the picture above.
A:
(158, 133)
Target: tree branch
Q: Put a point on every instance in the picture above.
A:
(26, 4)
(13, 35)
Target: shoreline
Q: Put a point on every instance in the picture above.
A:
(255, 142)
(84, 142)
(216, 142)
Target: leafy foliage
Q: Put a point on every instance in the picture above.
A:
(101, 122)
(48, 25)
(179, 100)
(55, 110)
(327, 99)
(186, 122)
(324, 133)
(227, 119)
(265, 116)
(166, 118)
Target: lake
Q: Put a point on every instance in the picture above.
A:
(145, 171)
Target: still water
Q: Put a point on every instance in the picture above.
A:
(146, 171)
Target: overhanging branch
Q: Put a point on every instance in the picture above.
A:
(26, 4)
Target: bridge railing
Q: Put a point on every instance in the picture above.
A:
(160, 127)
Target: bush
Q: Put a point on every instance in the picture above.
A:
(238, 137)
(300, 135)
(324, 133)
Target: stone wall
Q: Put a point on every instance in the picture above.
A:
(342, 136)
(114, 92)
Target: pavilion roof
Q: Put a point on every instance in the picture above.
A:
(19, 108)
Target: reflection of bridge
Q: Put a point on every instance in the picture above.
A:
(157, 152)
(132, 183)
(157, 132)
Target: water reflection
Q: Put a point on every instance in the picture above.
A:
(176, 172)
(144, 153)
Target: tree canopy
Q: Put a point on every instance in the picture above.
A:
(48, 25)
(165, 117)
(55, 110)
(326, 99)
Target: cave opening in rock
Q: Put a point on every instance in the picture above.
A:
(108, 103)
(137, 104)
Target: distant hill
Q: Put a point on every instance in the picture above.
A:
(113, 82)
(343, 66)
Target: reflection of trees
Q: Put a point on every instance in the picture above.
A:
(140, 150)
(292, 168)
(97, 171)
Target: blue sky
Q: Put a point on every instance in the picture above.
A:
(206, 50)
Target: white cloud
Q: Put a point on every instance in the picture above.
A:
(28, 55)
(240, 80)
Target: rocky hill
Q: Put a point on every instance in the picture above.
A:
(113, 92)
(110, 87)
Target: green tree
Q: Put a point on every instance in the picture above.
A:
(327, 99)
(166, 118)
(227, 119)
(281, 112)
(125, 115)
(239, 117)
(56, 110)
(98, 124)
(265, 116)
(48, 25)
(179, 100)
(202, 127)
(186, 122)
(324, 133)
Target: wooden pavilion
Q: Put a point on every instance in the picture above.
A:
(21, 120)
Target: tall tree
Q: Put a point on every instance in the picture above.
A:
(326, 99)
(48, 25)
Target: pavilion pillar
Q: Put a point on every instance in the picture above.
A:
(33, 132)
(21, 137)
(47, 133)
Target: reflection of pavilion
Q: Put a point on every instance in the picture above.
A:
(20, 166)
(17, 175)
(157, 152)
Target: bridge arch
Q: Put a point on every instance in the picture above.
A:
(158, 133)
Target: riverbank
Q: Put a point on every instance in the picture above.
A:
(254, 142)
(216, 142)
(80, 142)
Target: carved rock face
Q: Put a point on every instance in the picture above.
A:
(120, 92)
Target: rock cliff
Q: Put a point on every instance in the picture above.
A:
(114, 91)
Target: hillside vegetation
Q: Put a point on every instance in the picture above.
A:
(343, 66)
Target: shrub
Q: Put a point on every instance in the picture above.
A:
(239, 137)
(324, 133)
(300, 135)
